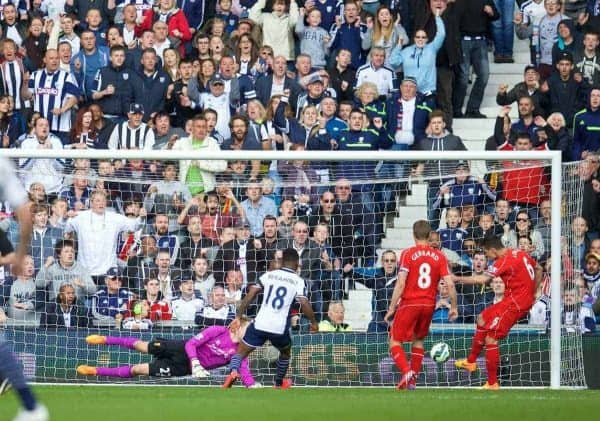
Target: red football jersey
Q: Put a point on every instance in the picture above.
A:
(425, 266)
(517, 270)
(529, 184)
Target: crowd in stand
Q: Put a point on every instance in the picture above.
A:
(134, 242)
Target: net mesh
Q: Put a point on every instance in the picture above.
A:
(160, 232)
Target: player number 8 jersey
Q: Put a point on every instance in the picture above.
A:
(280, 289)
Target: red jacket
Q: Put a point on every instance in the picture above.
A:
(527, 185)
(175, 20)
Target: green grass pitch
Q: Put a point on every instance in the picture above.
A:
(340, 404)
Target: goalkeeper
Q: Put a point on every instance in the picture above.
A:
(211, 348)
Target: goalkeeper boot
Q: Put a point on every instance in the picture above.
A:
(465, 365)
(231, 379)
(5, 386)
(96, 340)
(285, 384)
(405, 381)
(487, 386)
(86, 370)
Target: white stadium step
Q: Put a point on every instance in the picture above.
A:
(358, 308)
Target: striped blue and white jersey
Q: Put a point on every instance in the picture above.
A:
(52, 91)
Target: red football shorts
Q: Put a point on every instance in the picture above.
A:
(500, 317)
(412, 321)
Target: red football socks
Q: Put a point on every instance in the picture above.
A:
(399, 357)
(492, 359)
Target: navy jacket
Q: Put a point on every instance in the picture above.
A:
(420, 119)
(586, 132)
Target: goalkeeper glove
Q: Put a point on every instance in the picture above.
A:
(198, 371)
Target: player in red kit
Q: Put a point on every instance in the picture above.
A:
(521, 275)
(413, 301)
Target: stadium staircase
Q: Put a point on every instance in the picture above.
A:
(473, 132)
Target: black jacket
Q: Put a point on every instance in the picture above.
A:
(118, 103)
(228, 258)
(54, 316)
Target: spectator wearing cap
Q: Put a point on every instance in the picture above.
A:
(418, 60)
(276, 82)
(133, 133)
(199, 175)
(377, 72)
(150, 85)
(586, 127)
(563, 92)
(113, 90)
(463, 189)
(543, 34)
(438, 139)
(256, 207)
(315, 92)
(111, 301)
(529, 87)
(216, 99)
(240, 254)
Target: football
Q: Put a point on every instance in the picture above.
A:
(440, 352)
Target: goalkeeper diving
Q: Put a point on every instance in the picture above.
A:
(211, 348)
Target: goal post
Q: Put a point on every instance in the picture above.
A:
(551, 160)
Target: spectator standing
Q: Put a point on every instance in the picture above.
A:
(86, 63)
(474, 18)
(586, 138)
(133, 133)
(563, 92)
(256, 207)
(438, 139)
(54, 93)
(419, 60)
(47, 172)
(167, 11)
(113, 90)
(277, 26)
(198, 175)
(97, 231)
(348, 32)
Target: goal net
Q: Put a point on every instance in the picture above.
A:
(138, 248)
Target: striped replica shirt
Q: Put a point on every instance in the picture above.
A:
(51, 91)
(12, 72)
(125, 137)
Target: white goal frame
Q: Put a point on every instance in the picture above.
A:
(554, 157)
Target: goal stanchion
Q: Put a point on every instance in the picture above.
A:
(353, 227)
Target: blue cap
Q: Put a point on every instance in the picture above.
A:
(136, 109)
(112, 272)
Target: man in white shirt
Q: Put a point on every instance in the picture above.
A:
(376, 72)
(97, 234)
(47, 171)
(187, 305)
